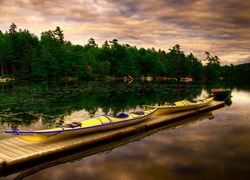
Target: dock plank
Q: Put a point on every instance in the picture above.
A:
(8, 152)
(33, 146)
(21, 143)
(21, 148)
(14, 150)
(4, 157)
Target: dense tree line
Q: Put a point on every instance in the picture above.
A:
(24, 56)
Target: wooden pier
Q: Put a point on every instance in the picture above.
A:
(18, 155)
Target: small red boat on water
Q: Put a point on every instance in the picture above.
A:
(221, 94)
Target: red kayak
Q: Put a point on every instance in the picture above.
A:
(221, 94)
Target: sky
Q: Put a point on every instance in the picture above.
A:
(221, 28)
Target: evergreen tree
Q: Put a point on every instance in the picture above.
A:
(212, 69)
(24, 56)
(196, 67)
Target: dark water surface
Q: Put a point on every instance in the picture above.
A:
(214, 145)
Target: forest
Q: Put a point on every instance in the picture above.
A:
(24, 56)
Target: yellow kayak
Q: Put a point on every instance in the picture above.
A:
(183, 105)
(96, 124)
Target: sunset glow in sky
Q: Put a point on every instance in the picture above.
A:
(219, 27)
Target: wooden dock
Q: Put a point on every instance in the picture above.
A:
(18, 155)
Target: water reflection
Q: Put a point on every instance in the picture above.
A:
(215, 149)
(23, 105)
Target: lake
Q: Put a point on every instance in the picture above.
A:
(214, 145)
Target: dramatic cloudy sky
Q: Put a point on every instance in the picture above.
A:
(219, 27)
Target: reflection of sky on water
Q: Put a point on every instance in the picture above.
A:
(216, 149)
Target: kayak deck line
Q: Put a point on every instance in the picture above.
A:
(92, 125)
(17, 154)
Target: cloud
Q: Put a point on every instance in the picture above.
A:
(197, 25)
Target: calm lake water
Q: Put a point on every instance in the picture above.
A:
(214, 145)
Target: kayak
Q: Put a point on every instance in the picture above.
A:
(183, 105)
(221, 94)
(96, 124)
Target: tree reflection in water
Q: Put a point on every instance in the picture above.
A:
(23, 105)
